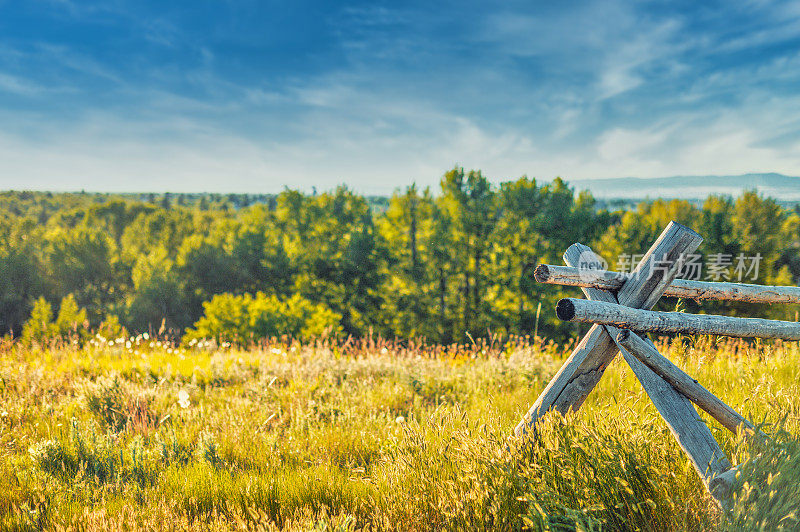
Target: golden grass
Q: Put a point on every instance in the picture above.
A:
(141, 435)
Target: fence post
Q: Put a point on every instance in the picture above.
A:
(691, 432)
(583, 369)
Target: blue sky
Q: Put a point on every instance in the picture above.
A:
(255, 96)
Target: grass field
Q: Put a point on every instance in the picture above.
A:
(141, 435)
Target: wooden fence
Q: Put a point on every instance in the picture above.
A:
(617, 305)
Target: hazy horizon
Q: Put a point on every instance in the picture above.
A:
(614, 189)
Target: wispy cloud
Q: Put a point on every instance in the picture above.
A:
(16, 85)
(250, 97)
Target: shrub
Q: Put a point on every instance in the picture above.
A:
(143, 467)
(94, 455)
(207, 448)
(111, 328)
(175, 451)
(238, 319)
(118, 407)
(53, 458)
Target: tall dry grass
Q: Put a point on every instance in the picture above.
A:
(370, 434)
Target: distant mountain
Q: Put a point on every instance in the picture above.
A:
(779, 186)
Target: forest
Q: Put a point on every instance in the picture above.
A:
(447, 266)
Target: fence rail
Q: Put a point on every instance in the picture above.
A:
(618, 304)
(585, 311)
(685, 288)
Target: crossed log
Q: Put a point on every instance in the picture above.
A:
(668, 386)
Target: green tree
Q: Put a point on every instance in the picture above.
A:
(157, 295)
(331, 240)
(637, 230)
(468, 201)
(71, 320)
(40, 327)
(716, 226)
(85, 262)
(259, 254)
(407, 230)
(20, 272)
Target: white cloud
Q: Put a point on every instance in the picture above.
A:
(659, 44)
(17, 85)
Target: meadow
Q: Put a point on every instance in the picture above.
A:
(140, 434)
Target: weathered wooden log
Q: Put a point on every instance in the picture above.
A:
(584, 367)
(685, 288)
(584, 311)
(691, 433)
(721, 486)
(646, 352)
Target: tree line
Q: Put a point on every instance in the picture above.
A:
(448, 265)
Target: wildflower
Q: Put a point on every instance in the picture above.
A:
(400, 419)
(183, 399)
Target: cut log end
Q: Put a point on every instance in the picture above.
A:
(565, 309)
(541, 273)
(721, 486)
(691, 232)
